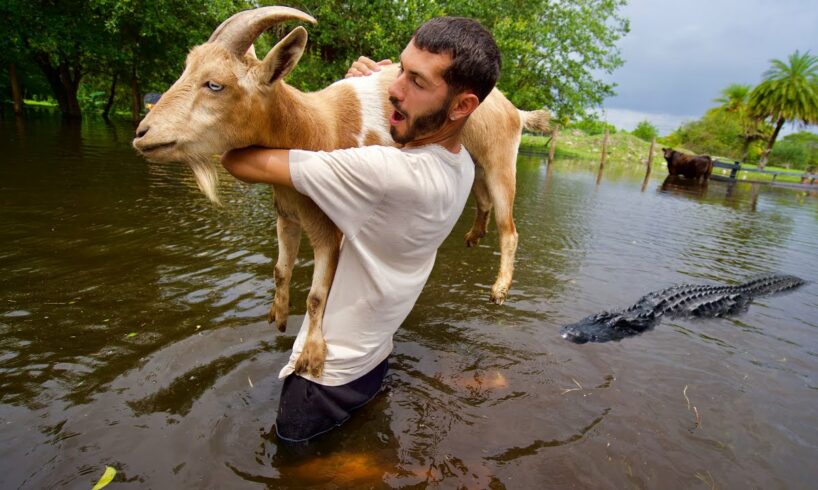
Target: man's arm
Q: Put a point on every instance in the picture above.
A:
(259, 165)
(268, 166)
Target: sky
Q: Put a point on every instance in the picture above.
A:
(679, 55)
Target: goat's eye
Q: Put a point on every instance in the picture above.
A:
(214, 86)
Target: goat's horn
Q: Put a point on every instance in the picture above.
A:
(240, 31)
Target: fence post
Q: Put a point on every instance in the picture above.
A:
(735, 169)
(604, 151)
(650, 157)
(553, 147)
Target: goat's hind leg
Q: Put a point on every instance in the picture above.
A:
(289, 237)
(483, 205)
(502, 186)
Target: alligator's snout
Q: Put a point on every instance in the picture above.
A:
(575, 336)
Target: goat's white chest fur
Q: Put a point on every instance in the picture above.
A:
(370, 93)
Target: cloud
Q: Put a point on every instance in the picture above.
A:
(680, 55)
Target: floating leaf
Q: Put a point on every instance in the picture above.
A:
(132, 334)
(107, 478)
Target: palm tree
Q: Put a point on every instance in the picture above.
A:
(789, 93)
(734, 101)
(734, 97)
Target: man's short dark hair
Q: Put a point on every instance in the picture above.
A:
(475, 56)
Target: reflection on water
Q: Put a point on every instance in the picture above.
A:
(132, 335)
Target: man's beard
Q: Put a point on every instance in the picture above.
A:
(422, 125)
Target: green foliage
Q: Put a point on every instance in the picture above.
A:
(553, 53)
(592, 126)
(797, 150)
(789, 92)
(717, 133)
(645, 131)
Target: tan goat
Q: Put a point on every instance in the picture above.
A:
(226, 98)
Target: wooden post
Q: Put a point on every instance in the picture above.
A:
(15, 89)
(553, 147)
(734, 170)
(649, 165)
(604, 150)
(604, 156)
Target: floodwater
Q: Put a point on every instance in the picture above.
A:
(132, 335)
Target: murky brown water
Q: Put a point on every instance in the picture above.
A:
(132, 335)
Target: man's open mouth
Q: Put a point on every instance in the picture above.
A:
(397, 117)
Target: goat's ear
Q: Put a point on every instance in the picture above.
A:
(283, 57)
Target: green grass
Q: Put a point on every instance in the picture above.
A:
(40, 103)
(573, 144)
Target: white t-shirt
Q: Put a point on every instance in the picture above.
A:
(395, 208)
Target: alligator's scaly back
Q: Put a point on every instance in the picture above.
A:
(677, 301)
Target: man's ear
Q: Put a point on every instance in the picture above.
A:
(463, 104)
(283, 57)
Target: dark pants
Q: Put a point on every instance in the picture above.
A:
(308, 409)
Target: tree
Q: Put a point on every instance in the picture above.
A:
(797, 150)
(734, 102)
(62, 38)
(716, 133)
(645, 131)
(554, 53)
(789, 93)
(153, 37)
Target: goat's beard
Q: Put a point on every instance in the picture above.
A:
(207, 177)
(421, 125)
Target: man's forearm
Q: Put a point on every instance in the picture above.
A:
(259, 165)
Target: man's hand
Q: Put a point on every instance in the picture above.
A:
(365, 66)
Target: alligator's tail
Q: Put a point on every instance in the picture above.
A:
(537, 121)
(770, 284)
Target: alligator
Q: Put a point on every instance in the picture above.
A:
(685, 300)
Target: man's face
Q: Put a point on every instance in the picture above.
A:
(419, 95)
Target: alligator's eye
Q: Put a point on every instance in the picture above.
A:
(216, 87)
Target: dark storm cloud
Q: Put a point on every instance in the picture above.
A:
(680, 55)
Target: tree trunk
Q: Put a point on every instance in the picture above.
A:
(136, 102)
(64, 83)
(71, 81)
(110, 102)
(764, 156)
(15, 89)
(745, 148)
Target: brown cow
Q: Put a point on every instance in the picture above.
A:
(690, 166)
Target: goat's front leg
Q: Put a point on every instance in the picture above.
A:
(314, 353)
(289, 237)
(483, 204)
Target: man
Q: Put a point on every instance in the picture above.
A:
(394, 206)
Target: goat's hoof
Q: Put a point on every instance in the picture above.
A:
(312, 358)
(280, 320)
(473, 238)
(313, 368)
(498, 295)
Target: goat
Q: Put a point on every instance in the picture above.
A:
(226, 98)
